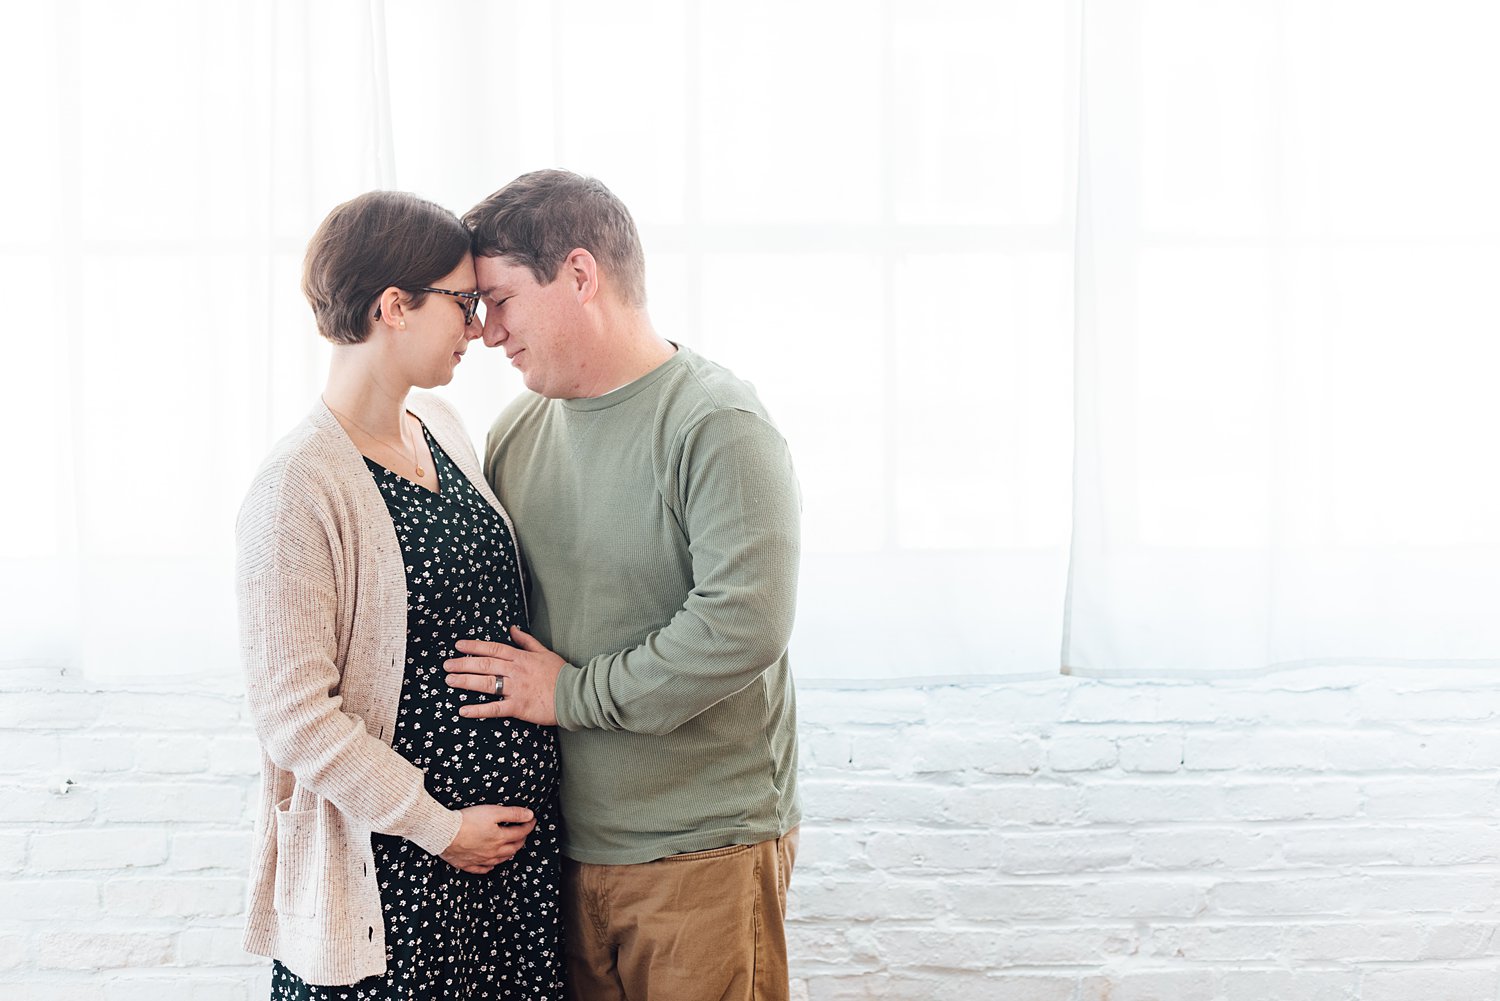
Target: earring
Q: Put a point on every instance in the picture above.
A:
(401, 324)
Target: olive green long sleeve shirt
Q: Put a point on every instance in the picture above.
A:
(660, 524)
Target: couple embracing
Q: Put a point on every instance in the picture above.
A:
(527, 724)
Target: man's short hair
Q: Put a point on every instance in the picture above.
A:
(538, 218)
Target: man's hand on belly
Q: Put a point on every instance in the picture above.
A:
(527, 678)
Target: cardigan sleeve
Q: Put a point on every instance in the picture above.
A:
(288, 646)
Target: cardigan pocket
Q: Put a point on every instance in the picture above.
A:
(299, 863)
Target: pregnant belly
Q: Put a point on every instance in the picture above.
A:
(472, 762)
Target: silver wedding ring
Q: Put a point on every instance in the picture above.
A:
(499, 687)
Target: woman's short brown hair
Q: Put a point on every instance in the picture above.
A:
(537, 219)
(369, 244)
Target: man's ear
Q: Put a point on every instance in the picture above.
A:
(581, 271)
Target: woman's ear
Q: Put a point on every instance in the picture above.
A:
(391, 308)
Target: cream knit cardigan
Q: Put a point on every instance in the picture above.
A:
(322, 609)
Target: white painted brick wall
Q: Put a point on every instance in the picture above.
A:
(1318, 836)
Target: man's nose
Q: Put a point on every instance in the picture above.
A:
(493, 333)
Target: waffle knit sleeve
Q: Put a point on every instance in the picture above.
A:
(735, 496)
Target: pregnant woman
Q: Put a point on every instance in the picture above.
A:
(402, 850)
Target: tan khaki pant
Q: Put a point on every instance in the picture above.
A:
(706, 926)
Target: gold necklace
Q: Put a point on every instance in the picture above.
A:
(421, 473)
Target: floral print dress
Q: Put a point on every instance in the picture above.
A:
(451, 934)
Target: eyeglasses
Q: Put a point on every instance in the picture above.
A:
(468, 300)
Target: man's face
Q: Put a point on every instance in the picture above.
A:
(539, 326)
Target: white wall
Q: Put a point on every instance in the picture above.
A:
(1311, 835)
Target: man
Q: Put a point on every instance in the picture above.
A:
(658, 514)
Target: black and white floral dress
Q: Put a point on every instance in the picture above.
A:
(451, 934)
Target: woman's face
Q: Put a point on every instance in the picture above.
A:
(436, 337)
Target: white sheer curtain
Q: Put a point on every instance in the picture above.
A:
(1289, 231)
(160, 187)
(1280, 269)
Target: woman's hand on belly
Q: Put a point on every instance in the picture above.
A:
(489, 836)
